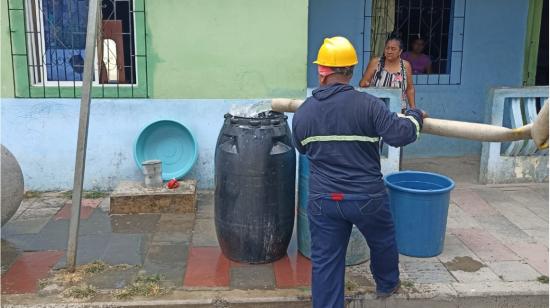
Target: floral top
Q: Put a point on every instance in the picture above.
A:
(385, 79)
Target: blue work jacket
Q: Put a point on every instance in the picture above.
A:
(339, 129)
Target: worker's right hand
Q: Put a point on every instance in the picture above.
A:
(364, 84)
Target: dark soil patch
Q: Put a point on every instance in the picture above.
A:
(466, 264)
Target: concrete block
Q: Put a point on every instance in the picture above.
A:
(136, 223)
(167, 238)
(167, 254)
(113, 279)
(171, 274)
(252, 277)
(481, 275)
(31, 226)
(484, 245)
(504, 230)
(535, 254)
(176, 222)
(522, 301)
(205, 204)
(98, 223)
(477, 302)
(204, 233)
(90, 249)
(539, 234)
(427, 271)
(455, 248)
(510, 301)
(36, 213)
(133, 197)
(105, 204)
(418, 303)
(442, 291)
(458, 218)
(22, 242)
(514, 271)
(500, 288)
(53, 236)
(125, 249)
(54, 201)
(25, 205)
(469, 201)
(520, 215)
(463, 264)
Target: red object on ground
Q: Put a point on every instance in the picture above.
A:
(173, 183)
(28, 269)
(207, 267)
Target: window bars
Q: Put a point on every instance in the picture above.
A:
(439, 23)
(50, 54)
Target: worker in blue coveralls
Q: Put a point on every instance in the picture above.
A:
(339, 130)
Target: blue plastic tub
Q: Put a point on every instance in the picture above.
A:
(170, 142)
(419, 203)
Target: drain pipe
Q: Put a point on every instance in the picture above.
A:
(458, 129)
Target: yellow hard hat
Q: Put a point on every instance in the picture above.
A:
(336, 52)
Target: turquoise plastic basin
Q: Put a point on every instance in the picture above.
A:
(170, 142)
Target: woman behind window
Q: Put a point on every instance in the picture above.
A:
(421, 63)
(392, 72)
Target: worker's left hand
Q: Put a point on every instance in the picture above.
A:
(424, 114)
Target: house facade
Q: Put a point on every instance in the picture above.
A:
(191, 60)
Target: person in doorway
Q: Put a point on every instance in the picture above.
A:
(391, 71)
(420, 62)
(338, 129)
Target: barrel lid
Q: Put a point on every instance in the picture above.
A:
(270, 118)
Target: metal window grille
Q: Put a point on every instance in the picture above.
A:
(55, 35)
(440, 23)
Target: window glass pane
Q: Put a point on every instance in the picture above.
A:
(64, 23)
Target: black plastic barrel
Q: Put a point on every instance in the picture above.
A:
(255, 170)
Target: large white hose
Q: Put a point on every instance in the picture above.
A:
(458, 129)
(539, 132)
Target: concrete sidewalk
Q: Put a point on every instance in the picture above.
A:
(496, 255)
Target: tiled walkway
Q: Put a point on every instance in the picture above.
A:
(496, 236)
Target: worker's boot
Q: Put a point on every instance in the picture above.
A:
(383, 295)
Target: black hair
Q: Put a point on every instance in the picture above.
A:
(346, 71)
(394, 36)
(418, 38)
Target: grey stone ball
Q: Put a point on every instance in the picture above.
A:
(12, 187)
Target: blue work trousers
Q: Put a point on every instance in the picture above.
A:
(330, 224)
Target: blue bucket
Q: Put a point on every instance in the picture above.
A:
(419, 203)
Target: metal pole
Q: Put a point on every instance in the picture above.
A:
(91, 37)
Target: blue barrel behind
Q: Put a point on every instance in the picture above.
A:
(358, 251)
(419, 203)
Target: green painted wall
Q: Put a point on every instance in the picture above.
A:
(210, 49)
(6, 75)
(532, 42)
(226, 49)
